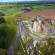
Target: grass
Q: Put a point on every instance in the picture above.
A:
(11, 17)
(42, 7)
(14, 9)
(2, 51)
(53, 25)
(11, 27)
(10, 10)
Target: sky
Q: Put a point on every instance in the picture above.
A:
(22, 0)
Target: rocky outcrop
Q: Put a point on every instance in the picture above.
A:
(27, 9)
(23, 31)
(41, 24)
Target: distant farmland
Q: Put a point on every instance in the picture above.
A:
(10, 9)
(15, 9)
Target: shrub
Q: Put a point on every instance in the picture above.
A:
(2, 14)
(3, 33)
(2, 20)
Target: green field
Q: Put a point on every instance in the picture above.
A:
(15, 9)
(43, 7)
(10, 9)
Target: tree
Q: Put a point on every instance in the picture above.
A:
(3, 33)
